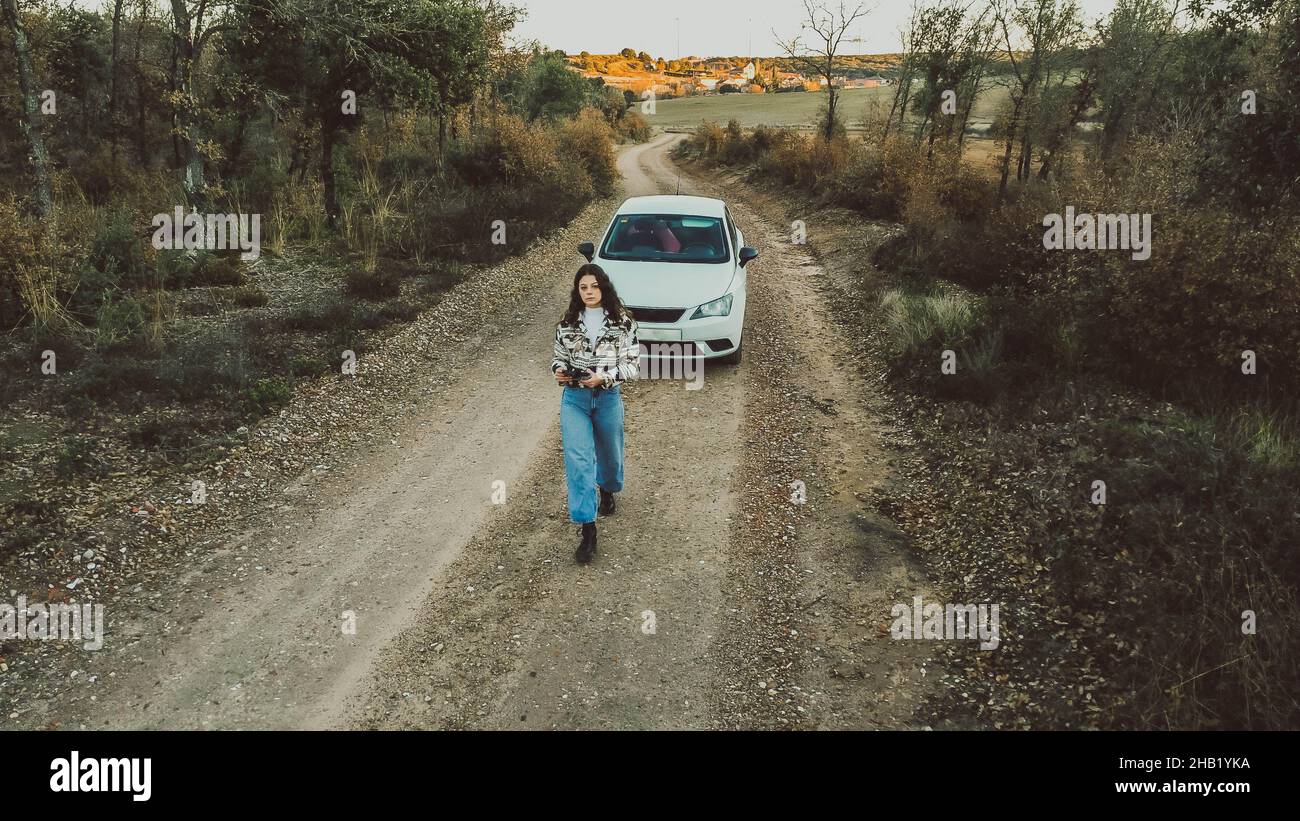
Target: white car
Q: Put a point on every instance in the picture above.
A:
(678, 263)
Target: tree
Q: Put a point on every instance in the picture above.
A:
(553, 90)
(829, 26)
(1044, 29)
(1255, 158)
(612, 103)
(75, 65)
(323, 62)
(909, 61)
(192, 28)
(31, 121)
(947, 50)
(148, 87)
(331, 57)
(114, 66)
(450, 46)
(976, 47)
(1134, 47)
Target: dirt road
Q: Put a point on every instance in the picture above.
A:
(715, 600)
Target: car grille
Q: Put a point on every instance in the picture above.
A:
(676, 349)
(664, 315)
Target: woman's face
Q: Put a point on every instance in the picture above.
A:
(589, 290)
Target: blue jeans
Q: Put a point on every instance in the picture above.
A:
(591, 426)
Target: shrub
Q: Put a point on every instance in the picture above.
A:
(735, 149)
(247, 296)
(920, 327)
(28, 281)
(763, 138)
(76, 457)
(707, 139)
(216, 364)
(301, 366)
(877, 179)
(517, 172)
(320, 317)
(166, 433)
(790, 162)
(295, 214)
(254, 191)
(344, 338)
(407, 162)
(381, 283)
(838, 132)
(70, 349)
(400, 311)
(1214, 518)
(198, 268)
(119, 319)
(1217, 284)
(632, 126)
(265, 395)
(928, 323)
(510, 152)
(588, 138)
(96, 176)
(112, 378)
(445, 274)
(120, 253)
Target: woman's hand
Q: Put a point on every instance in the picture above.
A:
(562, 376)
(595, 381)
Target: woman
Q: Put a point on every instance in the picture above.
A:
(595, 352)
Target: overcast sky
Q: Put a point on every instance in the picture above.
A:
(707, 27)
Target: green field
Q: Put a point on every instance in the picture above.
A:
(793, 109)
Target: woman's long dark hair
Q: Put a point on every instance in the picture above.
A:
(608, 297)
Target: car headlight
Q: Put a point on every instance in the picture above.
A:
(718, 307)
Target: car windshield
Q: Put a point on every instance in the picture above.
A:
(666, 238)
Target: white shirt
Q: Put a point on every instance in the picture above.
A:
(594, 319)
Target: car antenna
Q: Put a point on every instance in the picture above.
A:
(679, 183)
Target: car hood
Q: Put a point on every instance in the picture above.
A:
(667, 284)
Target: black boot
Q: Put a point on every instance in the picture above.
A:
(606, 502)
(587, 548)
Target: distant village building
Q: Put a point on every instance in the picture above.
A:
(787, 79)
(695, 75)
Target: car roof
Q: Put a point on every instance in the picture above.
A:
(673, 204)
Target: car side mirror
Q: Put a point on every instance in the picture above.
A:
(587, 250)
(746, 254)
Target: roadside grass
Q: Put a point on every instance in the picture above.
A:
(170, 352)
(1127, 614)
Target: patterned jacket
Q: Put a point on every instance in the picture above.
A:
(616, 355)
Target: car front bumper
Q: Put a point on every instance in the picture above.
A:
(706, 338)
